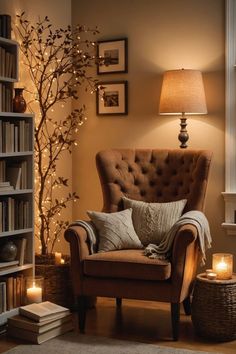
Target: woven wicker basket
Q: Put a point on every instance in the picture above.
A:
(214, 308)
(57, 282)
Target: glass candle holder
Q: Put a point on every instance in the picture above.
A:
(34, 289)
(222, 264)
(57, 256)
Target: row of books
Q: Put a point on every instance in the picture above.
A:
(13, 175)
(7, 63)
(14, 137)
(5, 26)
(6, 98)
(12, 292)
(14, 214)
(40, 322)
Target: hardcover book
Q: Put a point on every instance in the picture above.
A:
(43, 311)
(25, 323)
(39, 338)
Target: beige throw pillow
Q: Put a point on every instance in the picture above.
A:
(115, 230)
(153, 220)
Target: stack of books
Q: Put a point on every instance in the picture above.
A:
(39, 322)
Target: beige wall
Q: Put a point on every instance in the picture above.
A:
(163, 35)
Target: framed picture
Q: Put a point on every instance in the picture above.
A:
(112, 98)
(114, 56)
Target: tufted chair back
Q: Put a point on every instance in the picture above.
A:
(157, 175)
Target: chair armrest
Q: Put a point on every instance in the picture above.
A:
(78, 238)
(79, 250)
(185, 236)
(185, 255)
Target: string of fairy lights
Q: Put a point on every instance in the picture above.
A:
(51, 79)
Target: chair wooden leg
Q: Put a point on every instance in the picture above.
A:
(118, 301)
(187, 306)
(82, 312)
(175, 312)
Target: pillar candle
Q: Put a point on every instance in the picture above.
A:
(34, 294)
(57, 258)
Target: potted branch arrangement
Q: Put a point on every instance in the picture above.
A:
(57, 62)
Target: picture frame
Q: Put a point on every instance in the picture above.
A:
(114, 54)
(112, 98)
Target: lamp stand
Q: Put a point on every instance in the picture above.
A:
(183, 134)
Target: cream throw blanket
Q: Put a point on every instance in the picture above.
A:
(194, 217)
(91, 233)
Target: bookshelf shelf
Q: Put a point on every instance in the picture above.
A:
(16, 184)
(7, 79)
(16, 192)
(10, 154)
(9, 42)
(16, 232)
(16, 115)
(15, 269)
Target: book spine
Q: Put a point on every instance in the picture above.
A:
(5, 26)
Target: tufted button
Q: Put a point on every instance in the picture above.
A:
(136, 159)
(143, 193)
(174, 172)
(144, 170)
(159, 193)
(159, 172)
(130, 169)
(136, 182)
(123, 189)
(152, 183)
(117, 166)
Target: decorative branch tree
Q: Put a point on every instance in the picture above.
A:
(57, 62)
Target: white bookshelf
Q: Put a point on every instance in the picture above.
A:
(23, 194)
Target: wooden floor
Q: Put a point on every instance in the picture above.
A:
(147, 322)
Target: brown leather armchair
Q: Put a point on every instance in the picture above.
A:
(153, 176)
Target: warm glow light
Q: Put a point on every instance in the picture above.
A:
(57, 258)
(211, 276)
(222, 264)
(34, 294)
(34, 290)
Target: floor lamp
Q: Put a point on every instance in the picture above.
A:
(182, 93)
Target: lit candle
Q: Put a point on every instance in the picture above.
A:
(211, 275)
(34, 294)
(62, 261)
(222, 265)
(57, 258)
(209, 271)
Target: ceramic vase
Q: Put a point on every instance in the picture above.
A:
(19, 104)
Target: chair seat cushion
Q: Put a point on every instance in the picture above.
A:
(129, 264)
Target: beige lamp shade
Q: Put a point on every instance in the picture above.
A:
(182, 92)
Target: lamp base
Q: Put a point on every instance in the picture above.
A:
(183, 134)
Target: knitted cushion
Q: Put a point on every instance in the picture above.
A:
(153, 220)
(115, 230)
